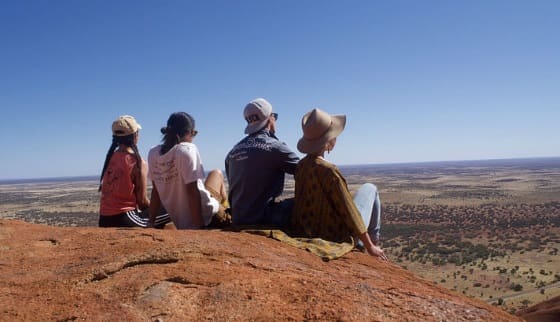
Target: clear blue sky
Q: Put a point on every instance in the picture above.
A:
(418, 80)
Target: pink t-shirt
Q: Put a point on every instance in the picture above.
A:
(117, 189)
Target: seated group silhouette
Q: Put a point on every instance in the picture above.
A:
(322, 207)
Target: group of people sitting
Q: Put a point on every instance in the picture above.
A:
(182, 194)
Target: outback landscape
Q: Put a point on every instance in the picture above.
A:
(486, 229)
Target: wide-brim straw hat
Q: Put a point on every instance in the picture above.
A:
(318, 128)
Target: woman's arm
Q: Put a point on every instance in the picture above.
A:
(335, 187)
(344, 203)
(140, 180)
(193, 196)
(371, 248)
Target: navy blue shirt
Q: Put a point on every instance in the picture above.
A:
(255, 169)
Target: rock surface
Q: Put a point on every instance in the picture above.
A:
(548, 311)
(67, 274)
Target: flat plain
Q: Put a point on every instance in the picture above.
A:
(487, 229)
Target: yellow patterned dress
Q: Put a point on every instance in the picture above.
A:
(324, 207)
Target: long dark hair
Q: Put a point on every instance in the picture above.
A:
(178, 124)
(128, 141)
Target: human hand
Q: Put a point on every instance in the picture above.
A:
(377, 251)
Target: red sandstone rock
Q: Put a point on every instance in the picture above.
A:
(548, 311)
(65, 274)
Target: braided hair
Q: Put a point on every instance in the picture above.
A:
(178, 124)
(128, 141)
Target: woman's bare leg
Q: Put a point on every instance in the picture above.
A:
(215, 182)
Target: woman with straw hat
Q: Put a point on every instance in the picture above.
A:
(324, 207)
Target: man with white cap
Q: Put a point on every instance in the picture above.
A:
(255, 170)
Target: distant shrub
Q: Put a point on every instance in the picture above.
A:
(532, 278)
(516, 287)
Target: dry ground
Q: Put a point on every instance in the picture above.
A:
(490, 230)
(487, 231)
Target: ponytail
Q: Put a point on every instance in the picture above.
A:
(169, 140)
(112, 148)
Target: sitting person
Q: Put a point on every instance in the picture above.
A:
(324, 207)
(123, 182)
(255, 169)
(176, 171)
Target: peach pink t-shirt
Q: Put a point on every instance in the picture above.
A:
(117, 188)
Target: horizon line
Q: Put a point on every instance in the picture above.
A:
(89, 177)
(448, 161)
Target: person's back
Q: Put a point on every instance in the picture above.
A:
(171, 172)
(256, 167)
(321, 196)
(117, 189)
(177, 179)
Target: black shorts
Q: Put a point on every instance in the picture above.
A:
(133, 218)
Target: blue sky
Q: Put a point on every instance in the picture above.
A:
(418, 80)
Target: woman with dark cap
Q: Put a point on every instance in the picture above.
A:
(123, 182)
(177, 179)
(324, 207)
